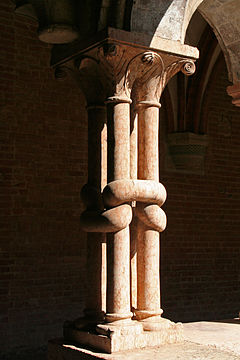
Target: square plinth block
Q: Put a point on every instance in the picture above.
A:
(86, 345)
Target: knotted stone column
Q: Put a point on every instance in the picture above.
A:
(128, 74)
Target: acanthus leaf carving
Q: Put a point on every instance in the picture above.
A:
(122, 70)
(149, 73)
(113, 63)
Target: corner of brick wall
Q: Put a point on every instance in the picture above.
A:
(43, 152)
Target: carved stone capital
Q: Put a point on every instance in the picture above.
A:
(115, 65)
(159, 69)
(148, 82)
(234, 91)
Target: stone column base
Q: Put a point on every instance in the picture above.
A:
(116, 340)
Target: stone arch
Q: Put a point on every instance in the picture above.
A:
(158, 18)
(223, 18)
(171, 22)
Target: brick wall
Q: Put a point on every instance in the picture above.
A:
(201, 245)
(43, 152)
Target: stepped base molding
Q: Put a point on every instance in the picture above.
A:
(114, 339)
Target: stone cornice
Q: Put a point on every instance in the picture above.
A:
(63, 53)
